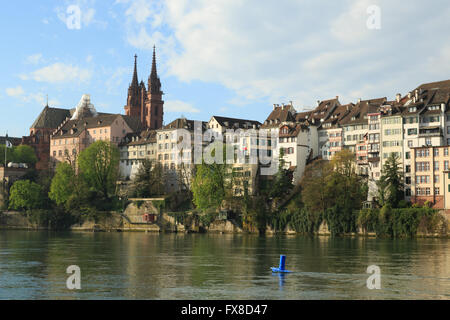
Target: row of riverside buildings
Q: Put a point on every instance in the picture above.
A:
(415, 127)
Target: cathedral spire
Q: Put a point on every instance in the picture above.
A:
(135, 82)
(154, 72)
(154, 84)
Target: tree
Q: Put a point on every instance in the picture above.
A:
(314, 186)
(334, 190)
(25, 154)
(25, 195)
(149, 180)
(282, 183)
(212, 183)
(390, 185)
(62, 186)
(99, 167)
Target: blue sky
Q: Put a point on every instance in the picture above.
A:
(217, 57)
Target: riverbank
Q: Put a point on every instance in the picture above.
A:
(170, 223)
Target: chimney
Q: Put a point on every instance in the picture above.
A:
(417, 95)
(274, 106)
(318, 102)
(359, 100)
(398, 97)
(337, 97)
(443, 107)
(409, 95)
(291, 103)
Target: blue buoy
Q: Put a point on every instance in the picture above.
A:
(282, 266)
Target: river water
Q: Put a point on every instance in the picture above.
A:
(205, 266)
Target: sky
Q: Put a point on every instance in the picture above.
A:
(232, 58)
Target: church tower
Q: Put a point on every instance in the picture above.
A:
(154, 106)
(136, 95)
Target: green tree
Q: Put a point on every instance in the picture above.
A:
(282, 183)
(149, 180)
(212, 183)
(99, 167)
(62, 186)
(25, 154)
(390, 185)
(25, 195)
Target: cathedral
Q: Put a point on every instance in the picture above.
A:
(146, 103)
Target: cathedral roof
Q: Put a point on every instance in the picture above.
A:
(50, 118)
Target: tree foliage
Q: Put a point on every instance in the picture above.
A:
(62, 187)
(390, 185)
(99, 167)
(25, 195)
(149, 180)
(334, 190)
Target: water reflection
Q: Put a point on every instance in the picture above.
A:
(177, 266)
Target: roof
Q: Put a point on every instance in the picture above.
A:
(358, 114)
(293, 131)
(50, 118)
(231, 122)
(13, 140)
(73, 128)
(140, 138)
(280, 114)
(337, 115)
(183, 123)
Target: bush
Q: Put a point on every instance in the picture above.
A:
(25, 195)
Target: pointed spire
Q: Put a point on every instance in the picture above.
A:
(154, 84)
(135, 81)
(154, 73)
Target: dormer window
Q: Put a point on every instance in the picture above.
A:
(412, 109)
(433, 108)
(353, 118)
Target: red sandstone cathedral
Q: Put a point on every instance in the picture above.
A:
(143, 103)
(146, 103)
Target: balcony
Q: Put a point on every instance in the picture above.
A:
(430, 132)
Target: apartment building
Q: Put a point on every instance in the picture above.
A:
(430, 176)
(356, 129)
(135, 148)
(175, 151)
(330, 131)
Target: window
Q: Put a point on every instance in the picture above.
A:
(445, 165)
(436, 178)
(445, 151)
(408, 168)
(410, 143)
(422, 153)
(412, 131)
(436, 152)
(408, 180)
(428, 141)
(423, 166)
(436, 166)
(436, 191)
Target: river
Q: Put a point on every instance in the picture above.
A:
(207, 266)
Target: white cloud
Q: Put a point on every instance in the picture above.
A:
(297, 50)
(40, 98)
(15, 92)
(59, 73)
(34, 59)
(179, 106)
